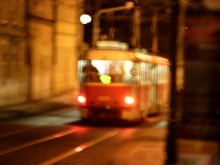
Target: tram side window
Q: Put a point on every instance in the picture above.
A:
(144, 69)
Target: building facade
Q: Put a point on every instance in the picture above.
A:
(39, 42)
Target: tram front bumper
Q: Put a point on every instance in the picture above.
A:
(121, 113)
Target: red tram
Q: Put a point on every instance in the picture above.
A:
(125, 84)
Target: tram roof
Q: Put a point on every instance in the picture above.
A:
(117, 54)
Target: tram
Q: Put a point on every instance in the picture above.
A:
(116, 82)
(121, 83)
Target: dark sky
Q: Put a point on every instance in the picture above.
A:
(122, 23)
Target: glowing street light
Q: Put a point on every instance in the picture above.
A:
(85, 18)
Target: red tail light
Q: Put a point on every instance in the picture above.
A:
(129, 100)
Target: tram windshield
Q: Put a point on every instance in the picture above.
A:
(121, 71)
(106, 71)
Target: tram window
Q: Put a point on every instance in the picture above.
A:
(145, 70)
(123, 71)
(89, 68)
(119, 71)
(159, 73)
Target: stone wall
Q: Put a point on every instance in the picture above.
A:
(39, 43)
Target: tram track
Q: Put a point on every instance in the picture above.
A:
(69, 142)
(43, 139)
(69, 139)
(14, 132)
(18, 131)
(11, 123)
(71, 151)
(79, 148)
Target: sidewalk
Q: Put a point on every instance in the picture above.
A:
(31, 108)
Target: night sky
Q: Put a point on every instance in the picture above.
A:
(122, 22)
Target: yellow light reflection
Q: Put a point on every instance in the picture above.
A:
(78, 149)
(105, 79)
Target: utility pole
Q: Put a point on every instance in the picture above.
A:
(171, 146)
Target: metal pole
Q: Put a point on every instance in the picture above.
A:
(136, 27)
(96, 22)
(154, 47)
(171, 147)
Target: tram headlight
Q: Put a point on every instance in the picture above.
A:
(81, 99)
(129, 100)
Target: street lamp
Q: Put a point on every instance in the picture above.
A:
(85, 18)
(96, 28)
